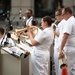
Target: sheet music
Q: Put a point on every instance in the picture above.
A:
(14, 50)
(24, 46)
(7, 50)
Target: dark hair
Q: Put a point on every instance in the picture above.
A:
(59, 11)
(34, 22)
(48, 20)
(30, 10)
(1, 31)
(67, 9)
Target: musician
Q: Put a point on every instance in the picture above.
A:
(58, 36)
(4, 38)
(29, 17)
(68, 42)
(56, 33)
(40, 52)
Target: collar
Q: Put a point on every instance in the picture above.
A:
(72, 17)
(48, 28)
(30, 17)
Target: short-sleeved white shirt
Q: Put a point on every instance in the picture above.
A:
(56, 39)
(3, 39)
(45, 38)
(70, 29)
(61, 26)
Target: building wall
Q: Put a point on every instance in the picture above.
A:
(17, 4)
(70, 3)
(24, 4)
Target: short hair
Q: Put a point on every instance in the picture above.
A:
(34, 22)
(59, 11)
(47, 19)
(30, 10)
(1, 30)
(67, 9)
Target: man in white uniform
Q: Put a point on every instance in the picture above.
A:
(68, 40)
(58, 34)
(61, 26)
(42, 42)
(29, 17)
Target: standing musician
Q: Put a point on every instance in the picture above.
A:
(29, 17)
(68, 40)
(41, 45)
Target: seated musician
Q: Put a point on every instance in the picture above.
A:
(4, 38)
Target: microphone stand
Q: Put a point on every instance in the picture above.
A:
(10, 21)
(15, 17)
(9, 26)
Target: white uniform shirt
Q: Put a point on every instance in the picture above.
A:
(28, 22)
(61, 26)
(3, 39)
(45, 38)
(56, 40)
(70, 29)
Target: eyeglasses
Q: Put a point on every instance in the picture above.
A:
(57, 14)
(63, 14)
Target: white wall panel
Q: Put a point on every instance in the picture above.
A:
(23, 4)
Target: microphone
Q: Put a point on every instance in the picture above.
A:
(24, 21)
(8, 35)
(8, 15)
(54, 27)
(20, 14)
(11, 27)
(6, 43)
(7, 39)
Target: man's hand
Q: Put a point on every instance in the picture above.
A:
(27, 52)
(61, 54)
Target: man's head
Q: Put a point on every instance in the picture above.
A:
(34, 22)
(1, 32)
(28, 13)
(67, 13)
(58, 15)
